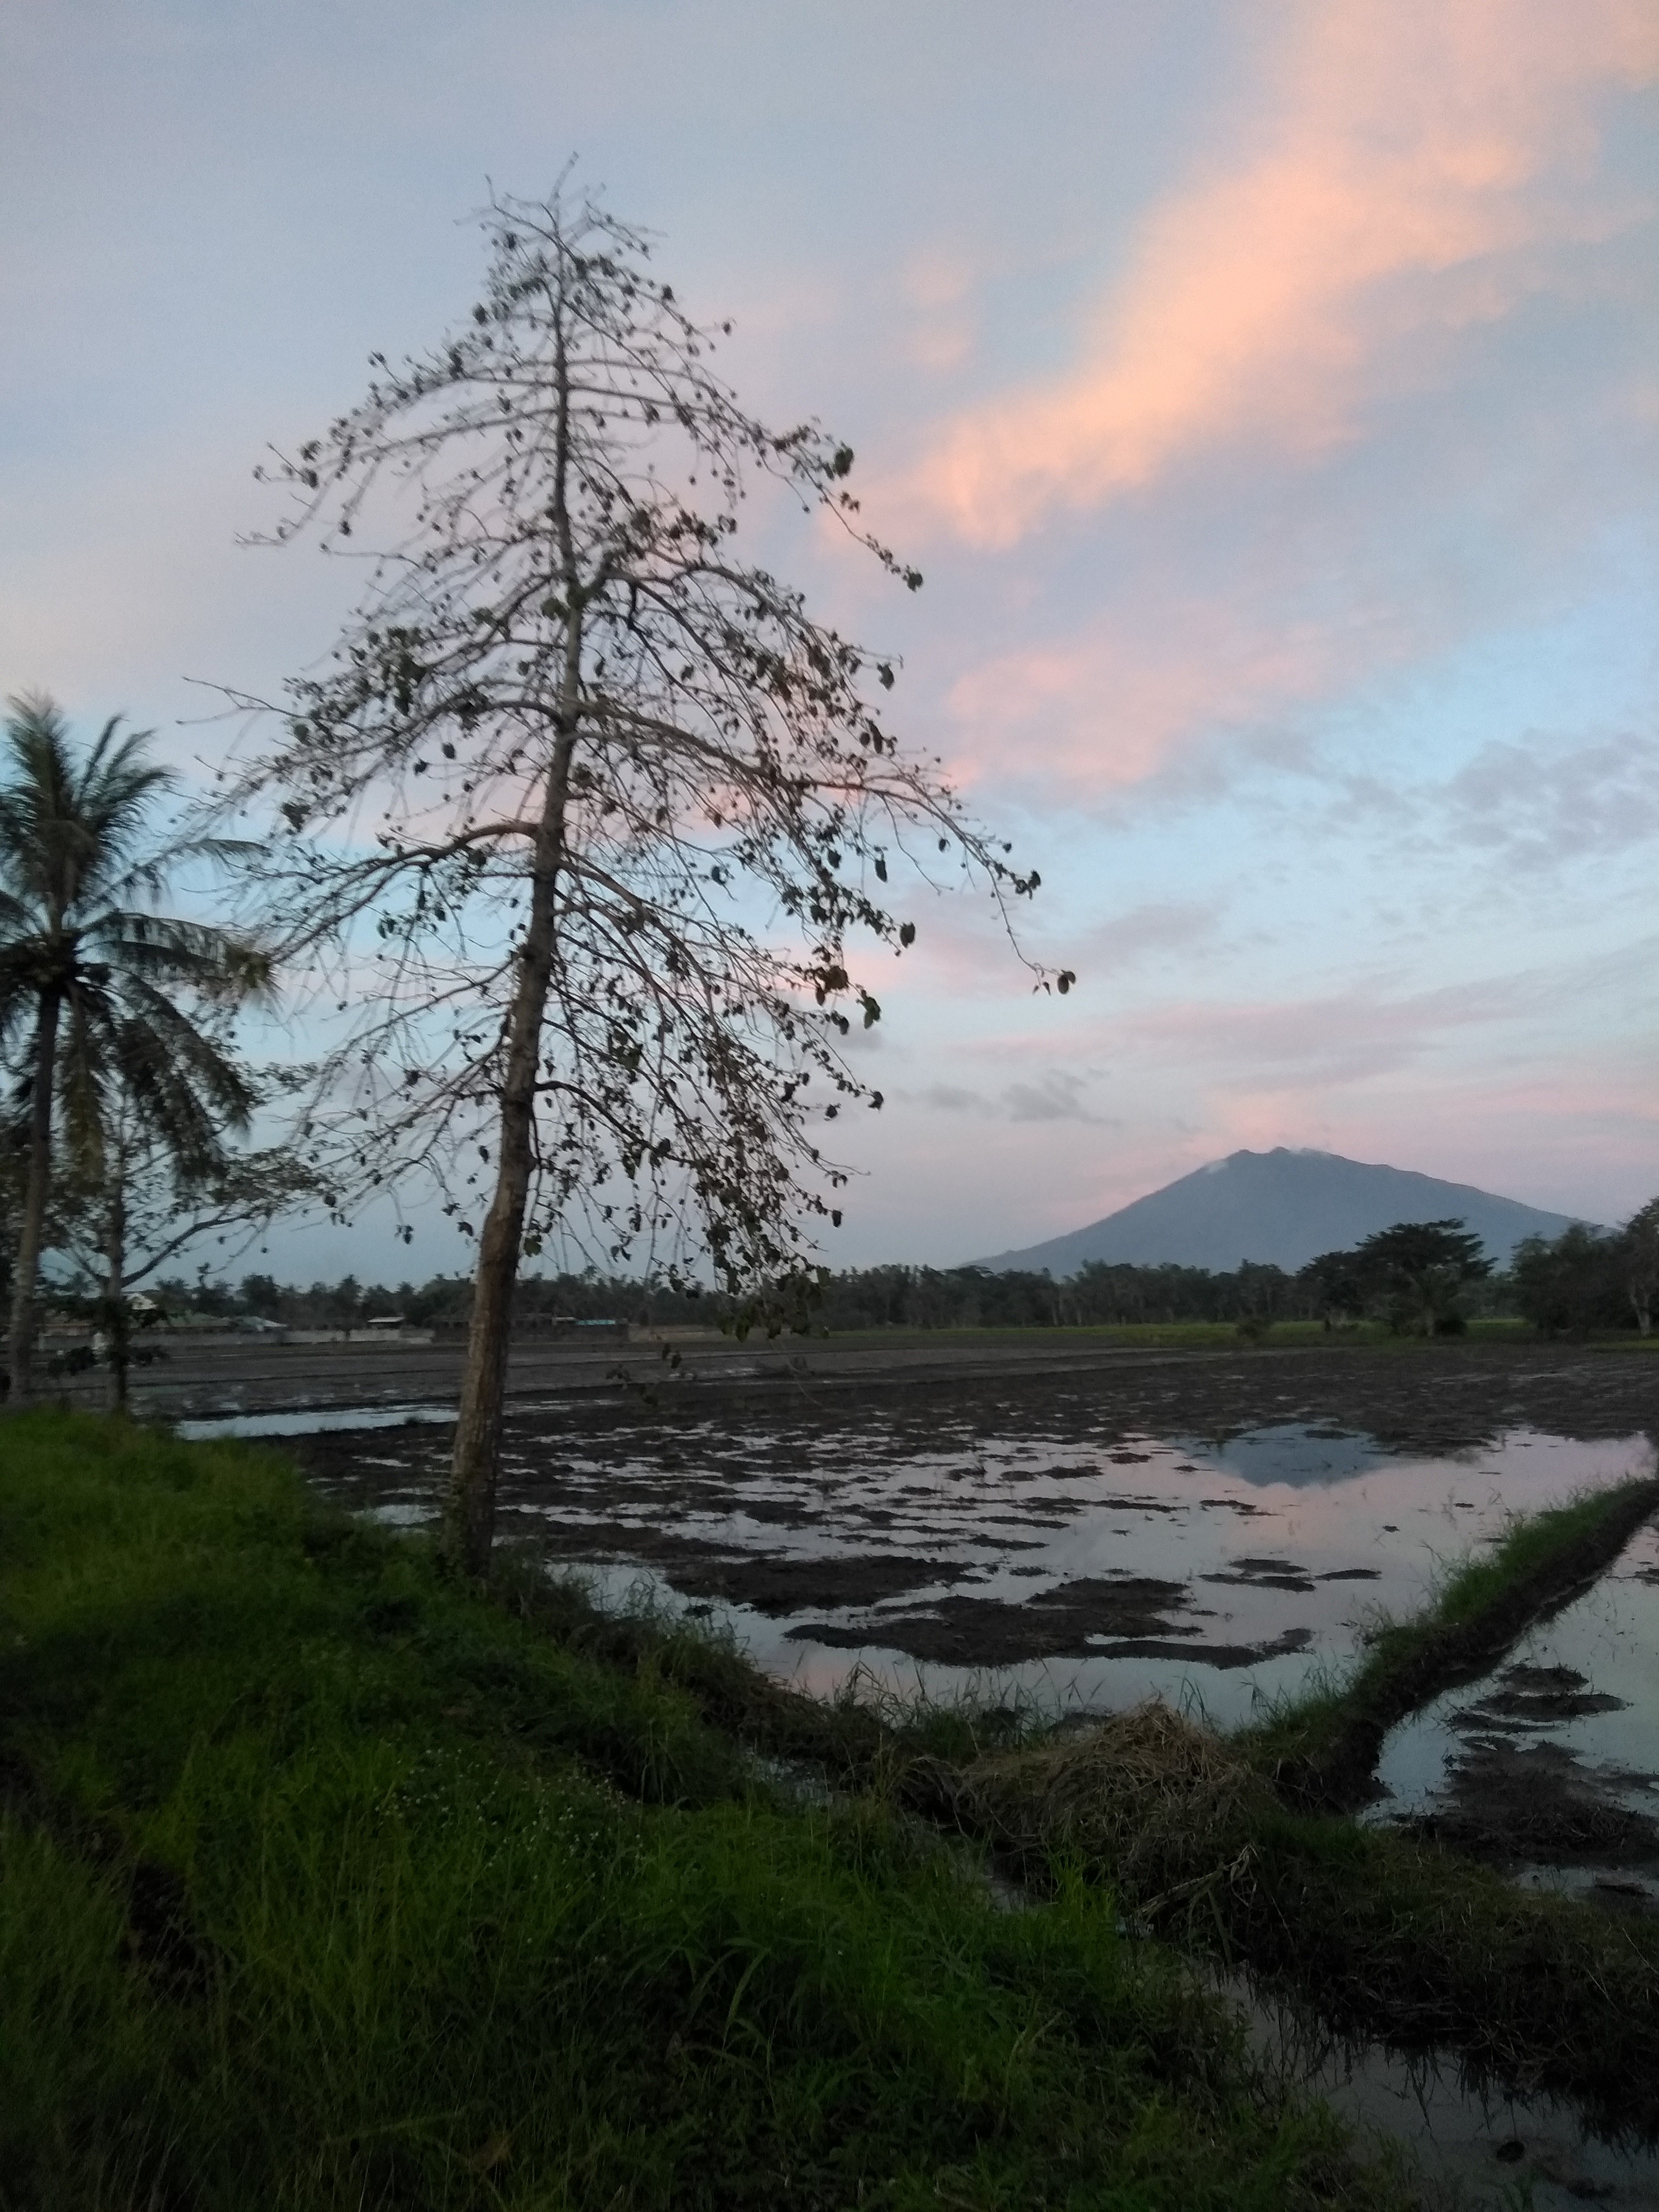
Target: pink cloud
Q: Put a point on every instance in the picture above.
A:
(1294, 1045)
(1419, 161)
(1109, 710)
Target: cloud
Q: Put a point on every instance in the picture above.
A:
(1421, 168)
(1059, 1095)
(949, 1098)
(1534, 806)
(1109, 710)
(1336, 1039)
(1146, 932)
(1516, 815)
(1376, 1029)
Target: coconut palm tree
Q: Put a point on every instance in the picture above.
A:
(90, 974)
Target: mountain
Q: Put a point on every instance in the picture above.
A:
(1281, 1206)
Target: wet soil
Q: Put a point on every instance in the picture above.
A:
(1340, 1778)
(1429, 1398)
(1522, 1801)
(1538, 1804)
(1076, 1619)
(667, 1482)
(779, 1587)
(651, 1503)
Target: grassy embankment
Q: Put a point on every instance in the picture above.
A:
(1237, 1847)
(1232, 1848)
(1321, 1748)
(325, 1883)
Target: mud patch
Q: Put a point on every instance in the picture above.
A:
(1266, 1574)
(776, 1586)
(1536, 1698)
(1541, 1805)
(1094, 1617)
(1548, 1768)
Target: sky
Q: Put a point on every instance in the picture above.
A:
(1269, 393)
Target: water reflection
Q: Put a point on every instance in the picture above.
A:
(316, 1420)
(1077, 1563)
(1550, 1762)
(1297, 1456)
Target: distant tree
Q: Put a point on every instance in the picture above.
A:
(90, 975)
(1337, 1285)
(1572, 1283)
(1639, 1261)
(1418, 1269)
(631, 801)
(152, 1201)
(1263, 1290)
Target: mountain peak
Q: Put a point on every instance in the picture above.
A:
(1281, 1207)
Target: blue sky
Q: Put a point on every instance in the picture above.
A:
(1267, 392)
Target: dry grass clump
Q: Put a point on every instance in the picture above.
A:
(1383, 1935)
(1147, 1799)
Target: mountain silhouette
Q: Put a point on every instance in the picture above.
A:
(1282, 1208)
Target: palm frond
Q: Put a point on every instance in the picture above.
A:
(148, 877)
(162, 949)
(168, 1108)
(154, 1029)
(80, 868)
(84, 1072)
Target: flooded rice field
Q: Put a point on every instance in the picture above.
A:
(1550, 1766)
(1219, 1534)
(1078, 1562)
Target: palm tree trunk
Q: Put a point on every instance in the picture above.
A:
(34, 1206)
(115, 1302)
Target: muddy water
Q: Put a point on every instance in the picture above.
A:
(1470, 2151)
(1071, 1559)
(1550, 1766)
(1090, 1553)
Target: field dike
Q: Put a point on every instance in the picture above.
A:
(1240, 1850)
(1387, 1939)
(327, 1882)
(1322, 1750)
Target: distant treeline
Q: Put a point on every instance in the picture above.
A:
(1426, 1277)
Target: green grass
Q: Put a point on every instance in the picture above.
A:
(324, 1882)
(1322, 1747)
(1383, 1936)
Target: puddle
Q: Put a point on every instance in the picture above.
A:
(318, 1420)
(1079, 1564)
(1548, 1765)
(1470, 2149)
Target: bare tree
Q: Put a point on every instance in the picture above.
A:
(147, 1204)
(603, 797)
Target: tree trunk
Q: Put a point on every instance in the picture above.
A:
(469, 1524)
(115, 1302)
(470, 1507)
(34, 1208)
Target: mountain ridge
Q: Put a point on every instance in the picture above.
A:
(1280, 1208)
